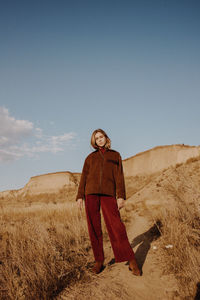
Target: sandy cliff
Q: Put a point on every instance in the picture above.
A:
(50, 183)
(148, 162)
(158, 158)
(46, 183)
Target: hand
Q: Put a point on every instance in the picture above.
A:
(120, 203)
(80, 203)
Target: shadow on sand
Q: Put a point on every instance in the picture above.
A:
(197, 297)
(144, 241)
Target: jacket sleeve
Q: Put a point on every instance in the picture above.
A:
(82, 183)
(119, 180)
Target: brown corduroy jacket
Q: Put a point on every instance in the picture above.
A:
(102, 173)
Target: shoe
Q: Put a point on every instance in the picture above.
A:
(133, 267)
(98, 267)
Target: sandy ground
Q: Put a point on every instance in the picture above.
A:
(117, 282)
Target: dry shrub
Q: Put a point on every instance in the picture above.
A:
(42, 250)
(181, 223)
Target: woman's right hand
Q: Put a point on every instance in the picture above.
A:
(80, 203)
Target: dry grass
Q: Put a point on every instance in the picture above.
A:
(65, 194)
(44, 246)
(193, 159)
(188, 161)
(42, 249)
(181, 223)
(136, 183)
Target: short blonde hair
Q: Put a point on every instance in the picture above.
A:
(93, 141)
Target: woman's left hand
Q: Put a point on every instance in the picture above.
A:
(120, 203)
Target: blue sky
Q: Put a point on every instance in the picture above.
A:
(131, 68)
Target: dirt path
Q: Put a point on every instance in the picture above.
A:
(117, 282)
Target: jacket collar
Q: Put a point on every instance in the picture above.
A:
(102, 153)
(105, 149)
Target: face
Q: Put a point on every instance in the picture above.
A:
(100, 139)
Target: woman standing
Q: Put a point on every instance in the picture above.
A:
(102, 185)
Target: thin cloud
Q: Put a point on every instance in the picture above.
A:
(6, 155)
(12, 130)
(14, 134)
(59, 139)
(38, 133)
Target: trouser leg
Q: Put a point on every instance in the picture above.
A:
(116, 230)
(92, 207)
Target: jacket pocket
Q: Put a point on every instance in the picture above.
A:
(113, 161)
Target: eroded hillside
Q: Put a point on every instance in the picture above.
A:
(138, 170)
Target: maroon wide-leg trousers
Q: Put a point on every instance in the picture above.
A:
(117, 232)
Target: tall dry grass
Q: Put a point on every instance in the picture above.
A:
(181, 228)
(44, 243)
(43, 248)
